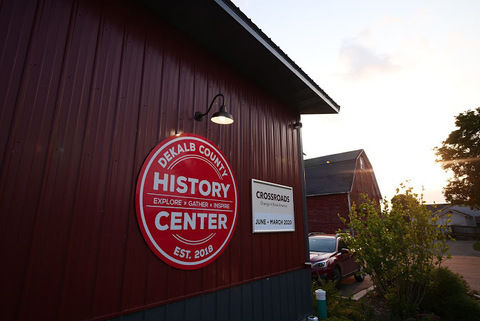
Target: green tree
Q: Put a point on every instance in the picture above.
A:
(460, 153)
(400, 246)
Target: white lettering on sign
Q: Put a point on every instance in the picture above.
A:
(213, 157)
(173, 152)
(185, 221)
(184, 185)
(186, 201)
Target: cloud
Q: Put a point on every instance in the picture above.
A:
(361, 61)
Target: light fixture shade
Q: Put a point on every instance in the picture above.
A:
(222, 117)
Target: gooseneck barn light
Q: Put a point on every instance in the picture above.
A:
(221, 117)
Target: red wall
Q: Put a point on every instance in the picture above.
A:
(323, 212)
(87, 89)
(364, 183)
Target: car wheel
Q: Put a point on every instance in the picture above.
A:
(337, 277)
(360, 276)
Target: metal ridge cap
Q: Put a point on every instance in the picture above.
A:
(258, 34)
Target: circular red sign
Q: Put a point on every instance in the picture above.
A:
(187, 201)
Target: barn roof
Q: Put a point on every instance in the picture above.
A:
(223, 29)
(331, 174)
(445, 208)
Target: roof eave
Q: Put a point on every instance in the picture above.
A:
(327, 194)
(220, 27)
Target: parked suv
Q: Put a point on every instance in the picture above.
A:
(331, 259)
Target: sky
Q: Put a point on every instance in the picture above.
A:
(400, 71)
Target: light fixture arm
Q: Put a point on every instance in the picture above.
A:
(199, 115)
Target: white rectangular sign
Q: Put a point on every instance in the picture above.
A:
(272, 207)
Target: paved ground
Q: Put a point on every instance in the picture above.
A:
(351, 287)
(465, 261)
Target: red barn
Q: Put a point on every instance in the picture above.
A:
(90, 93)
(334, 183)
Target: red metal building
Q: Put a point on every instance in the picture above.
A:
(334, 183)
(87, 89)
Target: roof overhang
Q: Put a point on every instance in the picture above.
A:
(328, 194)
(454, 212)
(220, 27)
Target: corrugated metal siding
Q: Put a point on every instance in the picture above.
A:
(87, 90)
(282, 297)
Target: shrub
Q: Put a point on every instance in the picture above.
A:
(450, 298)
(400, 246)
(476, 246)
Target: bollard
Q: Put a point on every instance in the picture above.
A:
(321, 303)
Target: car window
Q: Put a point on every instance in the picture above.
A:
(341, 245)
(322, 244)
